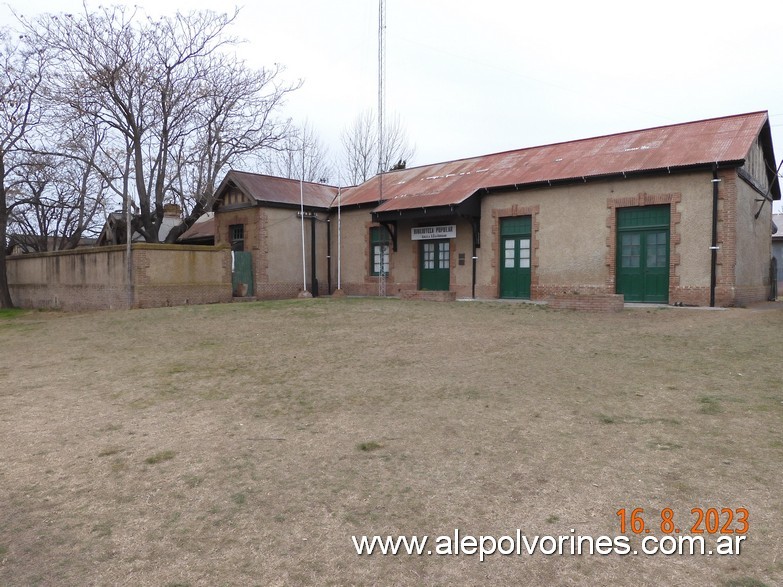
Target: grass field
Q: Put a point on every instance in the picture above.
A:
(246, 444)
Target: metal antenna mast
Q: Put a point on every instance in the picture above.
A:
(381, 147)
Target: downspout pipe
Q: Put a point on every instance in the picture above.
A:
(714, 246)
(475, 258)
(329, 256)
(313, 278)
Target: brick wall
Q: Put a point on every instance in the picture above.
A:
(97, 279)
(725, 294)
(429, 296)
(590, 302)
(544, 292)
(286, 291)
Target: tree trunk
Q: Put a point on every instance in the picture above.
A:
(5, 293)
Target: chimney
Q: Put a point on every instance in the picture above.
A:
(172, 211)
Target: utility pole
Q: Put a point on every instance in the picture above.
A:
(381, 145)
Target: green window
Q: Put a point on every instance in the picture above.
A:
(379, 250)
(631, 250)
(236, 236)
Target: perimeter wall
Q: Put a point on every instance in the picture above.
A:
(97, 278)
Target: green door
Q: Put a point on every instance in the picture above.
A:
(434, 265)
(515, 257)
(643, 253)
(242, 276)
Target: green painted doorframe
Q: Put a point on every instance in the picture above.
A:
(643, 250)
(434, 265)
(515, 257)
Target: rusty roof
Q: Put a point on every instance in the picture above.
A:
(204, 227)
(718, 140)
(279, 190)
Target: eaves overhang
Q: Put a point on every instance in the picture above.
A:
(612, 176)
(468, 208)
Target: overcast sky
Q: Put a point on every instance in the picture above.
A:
(470, 78)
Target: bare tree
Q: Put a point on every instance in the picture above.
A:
(32, 219)
(62, 201)
(177, 106)
(360, 148)
(361, 158)
(234, 124)
(396, 146)
(22, 71)
(302, 156)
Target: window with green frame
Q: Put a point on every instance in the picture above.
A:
(236, 236)
(379, 250)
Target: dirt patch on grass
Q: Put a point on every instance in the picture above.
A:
(245, 444)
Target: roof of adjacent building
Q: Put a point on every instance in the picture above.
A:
(279, 190)
(777, 226)
(203, 228)
(722, 141)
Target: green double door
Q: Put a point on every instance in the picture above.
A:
(515, 257)
(643, 253)
(434, 263)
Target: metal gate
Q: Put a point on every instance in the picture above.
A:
(242, 274)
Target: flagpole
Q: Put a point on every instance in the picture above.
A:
(304, 293)
(339, 238)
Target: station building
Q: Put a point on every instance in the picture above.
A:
(672, 214)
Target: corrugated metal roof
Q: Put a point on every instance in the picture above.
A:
(204, 227)
(721, 140)
(267, 188)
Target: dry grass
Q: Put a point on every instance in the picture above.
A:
(245, 444)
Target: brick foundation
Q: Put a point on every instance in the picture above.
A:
(590, 302)
(545, 292)
(284, 291)
(690, 296)
(370, 288)
(428, 296)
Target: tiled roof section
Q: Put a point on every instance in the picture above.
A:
(200, 229)
(267, 188)
(720, 140)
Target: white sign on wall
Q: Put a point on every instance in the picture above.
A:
(421, 233)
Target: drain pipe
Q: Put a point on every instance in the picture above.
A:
(714, 248)
(313, 276)
(329, 256)
(475, 257)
